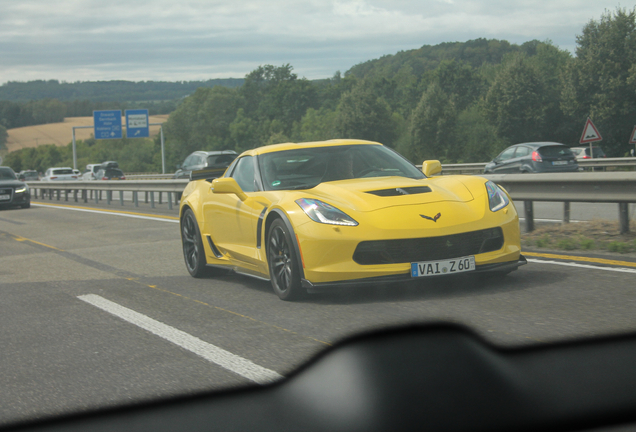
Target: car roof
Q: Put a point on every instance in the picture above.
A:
(539, 144)
(295, 146)
(213, 152)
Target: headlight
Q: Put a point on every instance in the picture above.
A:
(497, 199)
(322, 212)
(24, 189)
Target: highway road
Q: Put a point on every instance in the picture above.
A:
(98, 309)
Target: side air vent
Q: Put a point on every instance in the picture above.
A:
(215, 250)
(401, 191)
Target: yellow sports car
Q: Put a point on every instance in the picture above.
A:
(314, 215)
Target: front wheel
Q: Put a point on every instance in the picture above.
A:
(283, 263)
(193, 251)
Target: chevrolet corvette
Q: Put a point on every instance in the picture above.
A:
(310, 216)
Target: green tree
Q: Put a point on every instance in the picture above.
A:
(476, 137)
(245, 132)
(433, 127)
(601, 81)
(316, 125)
(515, 103)
(276, 93)
(201, 122)
(363, 115)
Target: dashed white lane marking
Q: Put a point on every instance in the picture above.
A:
(214, 354)
(136, 216)
(587, 266)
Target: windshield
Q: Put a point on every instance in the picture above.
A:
(307, 168)
(62, 171)
(550, 151)
(7, 174)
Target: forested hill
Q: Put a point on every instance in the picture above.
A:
(475, 53)
(107, 91)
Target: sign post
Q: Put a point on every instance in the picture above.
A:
(107, 124)
(590, 135)
(632, 139)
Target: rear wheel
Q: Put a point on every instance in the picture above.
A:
(193, 251)
(284, 269)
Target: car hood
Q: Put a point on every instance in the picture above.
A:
(11, 183)
(372, 194)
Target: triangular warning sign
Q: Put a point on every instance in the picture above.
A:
(590, 133)
(632, 139)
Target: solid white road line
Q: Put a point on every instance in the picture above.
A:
(219, 356)
(109, 213)
(571, 264)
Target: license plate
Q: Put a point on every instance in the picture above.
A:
(443, 267)
(559, 162)
(5, 197)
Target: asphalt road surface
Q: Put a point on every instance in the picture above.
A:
(98, 309)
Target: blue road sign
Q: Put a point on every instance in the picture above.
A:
(107, 124)
(137, 123)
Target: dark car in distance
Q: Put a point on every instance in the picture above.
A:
(13, 192)
(205, 160)
(28, 175)
(110, 174)
(533, 157)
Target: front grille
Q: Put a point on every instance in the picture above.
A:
(8, 192)
(428, 248)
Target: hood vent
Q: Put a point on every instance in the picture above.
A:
(401, 191)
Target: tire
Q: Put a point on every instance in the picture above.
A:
(26, 205)
(284, 270)
(193, 252)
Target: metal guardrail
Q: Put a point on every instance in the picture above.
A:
(468, 168)
(585, 164)
(600, 187)
(149, 176)
(596, 187)
(93, 190)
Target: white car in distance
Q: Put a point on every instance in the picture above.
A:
(59, 174)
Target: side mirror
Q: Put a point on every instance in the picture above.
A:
(229, 186)
(431, 168)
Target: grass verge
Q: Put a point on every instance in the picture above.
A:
(598, 235)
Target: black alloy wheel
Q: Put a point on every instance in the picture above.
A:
(193, 251)
(283, 263)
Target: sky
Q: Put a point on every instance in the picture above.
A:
(139, 40)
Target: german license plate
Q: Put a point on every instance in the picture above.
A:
(443, 267)
(5, 197)
(559, 162)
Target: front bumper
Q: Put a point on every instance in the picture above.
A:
(503, 267)
(17, 199)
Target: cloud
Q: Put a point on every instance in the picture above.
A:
(166, 40)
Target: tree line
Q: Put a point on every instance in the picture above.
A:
(107, 91)
(456, 102)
